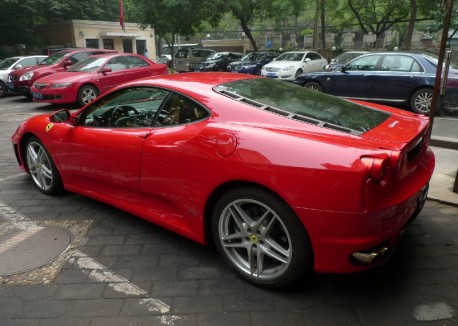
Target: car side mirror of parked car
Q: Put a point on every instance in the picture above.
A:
(307, 60)
(106, 69)
(17, 67)
(68, 63)
(343, 68)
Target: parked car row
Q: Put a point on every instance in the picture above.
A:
(80, 75)
(395, 78)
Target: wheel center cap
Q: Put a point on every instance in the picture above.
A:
(254, 238)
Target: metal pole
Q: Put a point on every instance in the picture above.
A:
(448, 14)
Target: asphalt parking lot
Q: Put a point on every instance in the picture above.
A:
(71, 260)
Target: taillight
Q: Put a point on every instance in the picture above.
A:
(377, 167)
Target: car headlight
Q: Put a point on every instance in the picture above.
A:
(288, 68)
(26, 76)
(60, 85)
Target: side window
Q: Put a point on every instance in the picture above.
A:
(27, 62)
(117, 63)
(135, 62)
(127, 108)
(367, 63)
(179, 110)
(313, 56)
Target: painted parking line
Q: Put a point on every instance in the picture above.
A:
(94, 269)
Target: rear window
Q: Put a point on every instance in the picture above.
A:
(305, 105)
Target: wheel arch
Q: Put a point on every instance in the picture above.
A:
(418, 88)
(219, 191)
(89, 84)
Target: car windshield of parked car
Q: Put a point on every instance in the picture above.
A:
(6, 63)
(53, 58)
(290, 56)
(304, 105)
(87, 65)
(345, 57)
(216, 56)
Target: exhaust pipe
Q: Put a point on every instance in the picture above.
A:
(368, 258)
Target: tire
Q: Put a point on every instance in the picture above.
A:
(421, 101)
(298, 73)
(313, 86)
(41, 167)
(87, 94)
(260, 237)
(3, 89)
(450, 104)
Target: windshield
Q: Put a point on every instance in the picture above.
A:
(216, 56)
(290, 56)
(253, 57)
(53, 58)
(345, 57)
(87, 65)
(306, 105)
(6, 63)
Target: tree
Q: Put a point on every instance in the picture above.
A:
(377, 16)
(411, 26)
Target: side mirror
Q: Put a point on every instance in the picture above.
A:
(106, 69)
(17, 67)
(68, 63)
(343, 68)
(63, 115)
(307, 60)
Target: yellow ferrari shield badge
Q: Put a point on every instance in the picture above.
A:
(49, 126)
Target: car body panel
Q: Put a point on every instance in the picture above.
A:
(169, 175)
(217, 62)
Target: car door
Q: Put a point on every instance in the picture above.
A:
(102, 153)
(356, 80)
(139, 68)
(118, 74)
(313, 62)
(397, 78)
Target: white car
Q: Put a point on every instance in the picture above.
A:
(289, 65)
(9, 64)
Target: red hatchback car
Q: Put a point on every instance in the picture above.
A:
(96, 75)
(283, 180)
(21, 80)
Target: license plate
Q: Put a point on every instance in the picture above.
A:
(38, 96)
(179, 62)
(272, 74)
(10, 85)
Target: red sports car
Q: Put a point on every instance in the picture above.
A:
(283, 179)
(91, 77)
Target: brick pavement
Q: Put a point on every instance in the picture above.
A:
(125, 271)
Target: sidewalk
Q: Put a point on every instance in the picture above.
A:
(444, 143)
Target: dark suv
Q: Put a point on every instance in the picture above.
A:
(218, 61)
(21, 80)
(252, 62)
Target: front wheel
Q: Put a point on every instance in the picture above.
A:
(87, 94)
(421, 101)
(260, 236)
(42, 168)
(313, 86)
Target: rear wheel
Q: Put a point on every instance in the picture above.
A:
(2, 89)
(421, 101)
(260, 236)
(42, 168)
(450, 104)
(314, 86)
(87, 94)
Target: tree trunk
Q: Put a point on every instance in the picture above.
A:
(411, 26)
(248, 34)
(316, 24)
(323, 25)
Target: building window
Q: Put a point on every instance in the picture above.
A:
(108, 44)
(92, 43)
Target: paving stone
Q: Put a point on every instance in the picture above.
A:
(247, 302)
(136, 261)
(155, 274)
(139, 307)
(106, 240)
(173, 289)
(121, 250)
(198, 304)
(116, 321)
(286, 317)
(215, 287)
(179, 260)
(10, 308)
(65, 322)
(46, 309)
(226, 319)
(18, 322)
(199, 273)
(70, 276)
(96, 308)
(80, 291)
